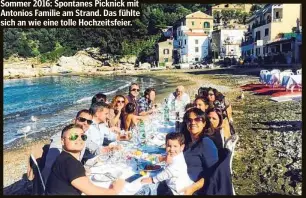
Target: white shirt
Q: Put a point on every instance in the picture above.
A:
(179, 103)
(175, 174)
(95, 137)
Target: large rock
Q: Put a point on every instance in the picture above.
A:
(144, 66)
(78, 62)
(129, 59)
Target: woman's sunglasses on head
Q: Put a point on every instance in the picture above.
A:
(89, 122)
(74, 137)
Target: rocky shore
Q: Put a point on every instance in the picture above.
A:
(86, 62)
(268, 155)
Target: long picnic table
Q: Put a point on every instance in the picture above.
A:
(133, 157)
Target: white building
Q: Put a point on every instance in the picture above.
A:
(227, 41)
(194, 46)
(193, 37)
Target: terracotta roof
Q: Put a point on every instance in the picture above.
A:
(196, 34)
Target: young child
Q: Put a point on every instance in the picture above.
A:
(174, 178)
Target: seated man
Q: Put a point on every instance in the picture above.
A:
(98, 130)
(68, 174)
(178, 100)
(133, 96)
(83, 119)
(145, 103)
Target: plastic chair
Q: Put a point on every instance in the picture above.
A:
(287, 70)
(230, 144)
(275, 79)
(275, 71)
(285, 73)
(299, 71)
(262, 74)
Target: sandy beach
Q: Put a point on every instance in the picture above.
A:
(268, 155)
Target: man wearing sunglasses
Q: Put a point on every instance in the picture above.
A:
(133, 95)
(68, 174)
(84, 120)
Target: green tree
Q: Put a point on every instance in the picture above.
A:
(255, 7)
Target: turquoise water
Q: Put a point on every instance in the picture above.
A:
(56, 100)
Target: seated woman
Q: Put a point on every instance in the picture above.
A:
(200, 152)
(216, 130)
(67, 175)
(218, 100)
(201, 103)
(117, 111)
(98, 98)
(189, 106)
(130, 119)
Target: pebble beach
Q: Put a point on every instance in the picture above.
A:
(268, 155)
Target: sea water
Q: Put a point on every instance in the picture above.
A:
(55, 100)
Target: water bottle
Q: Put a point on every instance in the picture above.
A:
(177, 122)
(166, 112)
(173, 105)
(142, 132)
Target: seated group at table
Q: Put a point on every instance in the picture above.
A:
(191, 153)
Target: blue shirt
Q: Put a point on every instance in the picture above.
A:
(95, 137)
(143, 105)
(200, 157)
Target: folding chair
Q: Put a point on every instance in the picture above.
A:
(36, 164)
(285, 73)
(230, 144)
(38, 182)
(275, 78)
(262, 74)
(299, 71)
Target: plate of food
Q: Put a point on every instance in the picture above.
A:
(101, 178)
(152, 167)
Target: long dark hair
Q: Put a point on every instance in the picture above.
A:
(218, 95)
(185, 131)
(211, 130)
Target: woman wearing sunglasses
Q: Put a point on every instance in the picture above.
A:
(200, 152)
(218, 100)
(68, 174)
(117, 111)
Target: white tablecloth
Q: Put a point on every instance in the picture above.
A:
(157, 130)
